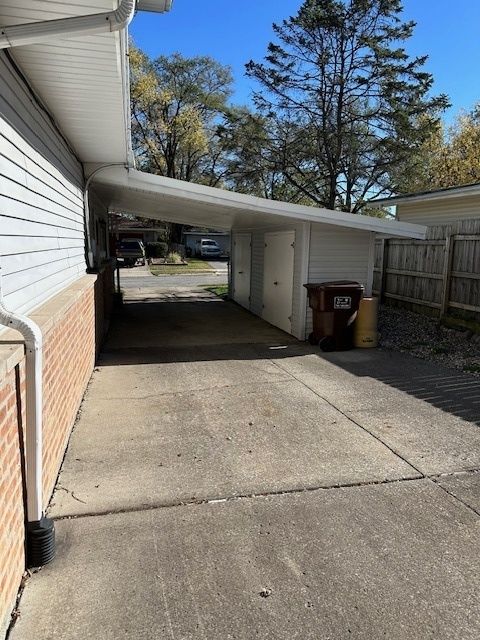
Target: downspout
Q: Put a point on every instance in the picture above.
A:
(40, 534)
(44, 31)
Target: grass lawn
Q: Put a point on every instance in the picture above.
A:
(173, 270)
(220, 290)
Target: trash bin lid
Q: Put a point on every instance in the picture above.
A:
(334, 284)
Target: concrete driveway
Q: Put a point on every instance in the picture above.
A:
(225, 481)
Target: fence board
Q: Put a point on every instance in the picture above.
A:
(440, 274)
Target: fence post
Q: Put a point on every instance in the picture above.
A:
(383, 269)
(447, 273)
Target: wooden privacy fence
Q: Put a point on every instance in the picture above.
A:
(439, 275)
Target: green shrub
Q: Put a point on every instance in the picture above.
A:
(174, 258)
(156, 249)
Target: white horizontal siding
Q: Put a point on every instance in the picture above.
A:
(41, 200)
(436, 212)
(338, 254)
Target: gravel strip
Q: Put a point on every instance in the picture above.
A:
(423, 337)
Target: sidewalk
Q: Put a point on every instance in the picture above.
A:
(225, 481)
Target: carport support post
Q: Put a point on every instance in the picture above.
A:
(118, 279)
(383, 269)
(447, 273)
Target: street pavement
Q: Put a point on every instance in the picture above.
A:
(140, 277)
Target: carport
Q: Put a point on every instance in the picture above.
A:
(276, 246)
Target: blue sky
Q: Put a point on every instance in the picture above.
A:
(234, 32)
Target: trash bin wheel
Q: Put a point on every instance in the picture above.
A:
(327, 344)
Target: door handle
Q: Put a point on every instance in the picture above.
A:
(240, 272)
(275, 282)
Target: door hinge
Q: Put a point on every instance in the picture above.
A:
(293, 244)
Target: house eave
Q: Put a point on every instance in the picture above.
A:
(440, 194)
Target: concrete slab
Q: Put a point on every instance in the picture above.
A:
(464, 486)
(431, 440)
(429, 415)
(188, 318)
(365, 379)
(236, 440)
(141, 372)
(398, 561)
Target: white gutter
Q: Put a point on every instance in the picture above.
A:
(35, 32)
(40, 530)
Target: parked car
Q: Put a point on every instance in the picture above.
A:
(205, 248)
(129, 252)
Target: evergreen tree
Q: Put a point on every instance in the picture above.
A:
(340, 86)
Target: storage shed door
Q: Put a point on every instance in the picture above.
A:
(242, 259)
(278, 279)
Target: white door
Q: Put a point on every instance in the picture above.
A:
(242, 260)
(278, 279)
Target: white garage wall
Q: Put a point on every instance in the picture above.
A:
(41, 199)
(339, 254)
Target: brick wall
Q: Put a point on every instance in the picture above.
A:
(73, 324)
(11, 494)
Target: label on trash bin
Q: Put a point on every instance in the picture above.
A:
(342, 302)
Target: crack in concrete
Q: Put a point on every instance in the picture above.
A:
(196, 391)
(60, 488)
(273, 493)
(238, 496)
(454, 496)
(449, 474)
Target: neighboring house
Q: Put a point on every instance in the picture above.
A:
(192, 238)
(134, 229)
(442, 206)
(65, 162)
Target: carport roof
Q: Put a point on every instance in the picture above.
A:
(171, 200)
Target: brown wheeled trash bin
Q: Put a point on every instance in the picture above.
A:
(334, 308)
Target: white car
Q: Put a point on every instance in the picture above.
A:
(208, 249)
